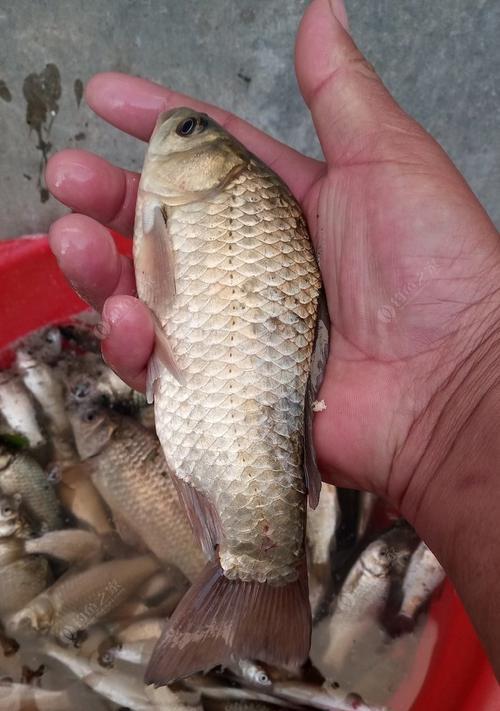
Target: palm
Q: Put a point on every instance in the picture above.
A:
(401, 241)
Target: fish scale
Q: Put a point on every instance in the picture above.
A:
(224, 262)
(241, 418)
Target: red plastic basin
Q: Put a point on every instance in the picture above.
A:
(34, 293)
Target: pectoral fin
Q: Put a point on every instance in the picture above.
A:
(318, 365)
(155, 275)
(154, 260)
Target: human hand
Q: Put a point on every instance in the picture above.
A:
(409, 258)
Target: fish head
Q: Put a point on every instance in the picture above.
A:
(92, 426)
(9, 508)
(377, 558)
(25, 359)
(38, 615)
(189, 156)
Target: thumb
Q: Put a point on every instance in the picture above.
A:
(356, 118)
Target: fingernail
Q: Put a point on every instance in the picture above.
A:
(339, 12)
(102, 330)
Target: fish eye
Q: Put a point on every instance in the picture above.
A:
(6, 510)
(81, 390)
(262, 678)
(186, 127)
(89, 416)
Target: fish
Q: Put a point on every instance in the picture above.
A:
(69, 545)
(76, 601)
(21, 697)
(322, 524)
(149, 628)
(222, 705)
(21, 581)
(251, 672)
(45, 345)
(363, 597)
(326, 697)
(47, 389)
(214, 691)
(224, 262)
(424, 575)
(21, 474)
(121, 688)
(78, 494)
(17, 408)
(11, 547)
(138, 652)
(13, 522)
(129, 470)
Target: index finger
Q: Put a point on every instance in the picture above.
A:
(132, 105)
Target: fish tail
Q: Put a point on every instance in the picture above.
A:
(219, 621)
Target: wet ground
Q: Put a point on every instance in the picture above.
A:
(441, 60)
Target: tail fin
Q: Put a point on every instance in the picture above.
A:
(220, 620)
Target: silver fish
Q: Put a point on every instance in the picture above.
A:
(424, 575)
(322, 523)
(251, 672)
(43, 383)
(361, 599)
(18, 410)
(121, 688)
(70, 545)
(45, 345)
(224, 261)
(79, 600)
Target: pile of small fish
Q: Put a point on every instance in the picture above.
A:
(96, 552)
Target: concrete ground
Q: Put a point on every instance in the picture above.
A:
(440, 59)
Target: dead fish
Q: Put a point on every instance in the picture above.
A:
(361, 600)
(251, 672)
(213, 689)
(18, 410)
(11, 548)
(21, 474)
(69, 545)
(21, 697)
(129, 471)
(224, 262)
(78, 600)
(138, 652)
(45, 345)
(79, 495)
(322, 523)
(424, 575)
(321, 697)
(149, 628)
(43, 383)
(89, 378)
(21, 581)
(12, 520)
(121, 688)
